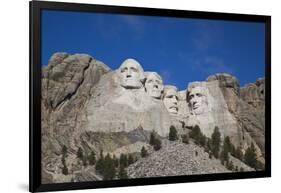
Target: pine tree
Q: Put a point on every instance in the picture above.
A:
(259, 165)
(116, 161)
(229, 146)
(100, 162)
(250, 156)
(216, 140)
(154, 141)
(238, 153)
(122, 174)
(202, 140)
(64, 150)
(173, 134)
(80, 153)
(123, 160)
(64, 169)
(157, 144)
(209, 145)
(224, 157)
(143, 152)
(230, 165)
(152, 138)
(226, 148)
(84, 161)
(92, 158)
(198, 136)
(101, 154)
(130, 159)
(185, 139)
(108, 170)
(195, 133)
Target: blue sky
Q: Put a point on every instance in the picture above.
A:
(181, 50)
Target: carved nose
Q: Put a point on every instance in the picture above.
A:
(128, 76)
(155, 86)
(129, 72)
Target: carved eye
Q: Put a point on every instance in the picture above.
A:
(191, 96)
(149, 81)
(134, 69)
(124, 69)
(198, 94)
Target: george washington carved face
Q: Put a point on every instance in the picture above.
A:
(197, 100)
(153, 84)
(170, 99)
(132, 74)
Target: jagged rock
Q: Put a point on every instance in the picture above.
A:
(226, 81)
(254, 93)
(186, 160)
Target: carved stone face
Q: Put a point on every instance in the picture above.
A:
(197, 100)
(170, 99)
(132, 74)
(153, 84)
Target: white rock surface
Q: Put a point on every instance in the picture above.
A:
(115, 109)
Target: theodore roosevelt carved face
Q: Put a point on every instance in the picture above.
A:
(153, 84)
(132, 74)
(197, 100)
(170, 99)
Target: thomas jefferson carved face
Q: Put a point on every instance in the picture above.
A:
(132, 74)
(197, 100)
(153, 84)
(170, 99)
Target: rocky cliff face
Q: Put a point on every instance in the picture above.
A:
(67, 84)
(87, 105)
(247, 107)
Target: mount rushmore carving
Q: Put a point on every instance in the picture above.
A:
(82, 96)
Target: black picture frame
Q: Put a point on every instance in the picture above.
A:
(35, 8)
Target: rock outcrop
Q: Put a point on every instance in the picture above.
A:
(67, 84)
(254, 93)
(246, 108)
